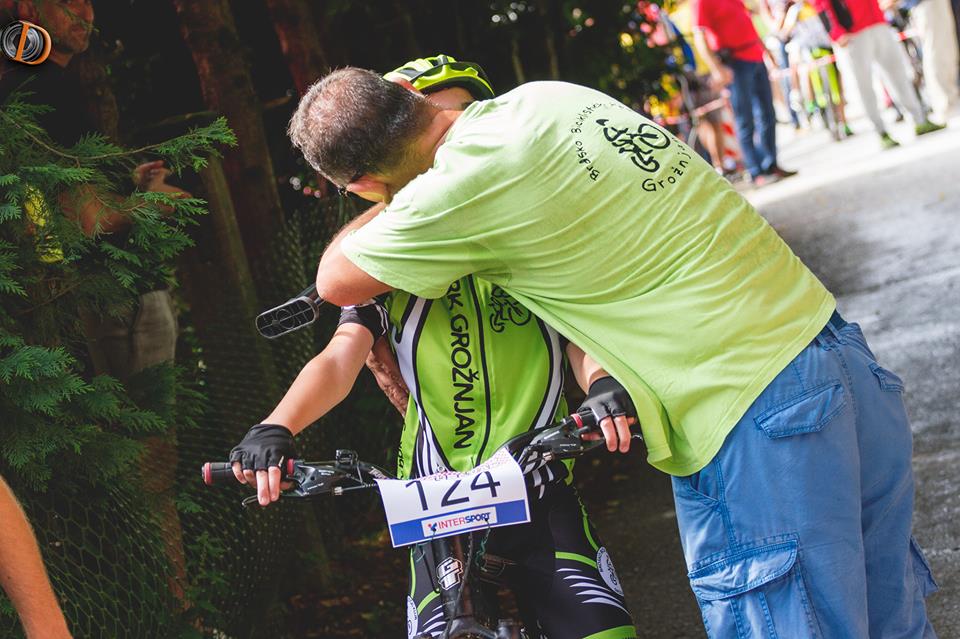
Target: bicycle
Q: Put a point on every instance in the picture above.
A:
(460, 566)
(827, 91)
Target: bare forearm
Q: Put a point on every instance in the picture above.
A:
(709, 57)
(325, 381)
(95, 212)
(586, 370)
(348, 228)
(339, 280)
(23, 575)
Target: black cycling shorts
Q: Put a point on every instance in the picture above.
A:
(564, 580)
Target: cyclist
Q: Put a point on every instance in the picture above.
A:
(481, 369)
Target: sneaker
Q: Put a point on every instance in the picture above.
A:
(847, 131)
(887, 142)
(780, 173)
(928, 127)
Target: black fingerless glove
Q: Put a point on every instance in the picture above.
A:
(608, 398)
(263, 446)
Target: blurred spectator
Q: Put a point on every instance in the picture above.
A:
(866, 42)
(728, 42)
(772, 13)
(23, 575)
(146, 334)
(809, 48)
(119, 346)
(935, 25)
(699, 95)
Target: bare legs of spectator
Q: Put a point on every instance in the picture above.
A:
(711, 134)
(23, 576)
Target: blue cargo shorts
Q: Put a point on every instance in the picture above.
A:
(801, 524)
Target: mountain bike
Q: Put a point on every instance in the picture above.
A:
(456, 550)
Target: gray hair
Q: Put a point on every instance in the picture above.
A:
(353, 121)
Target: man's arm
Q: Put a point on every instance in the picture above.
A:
(382, 362)
(100, 212)
(325, 381)
(719, 72)
(23, 576)
(340, 281)
(322, 384)
(615, 427)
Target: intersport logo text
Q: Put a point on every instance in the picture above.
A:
(452, 523)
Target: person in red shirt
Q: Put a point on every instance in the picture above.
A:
(864, 43)
(728, 42)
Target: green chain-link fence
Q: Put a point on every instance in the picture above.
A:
(128, 561)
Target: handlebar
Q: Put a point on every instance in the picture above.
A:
(216, 472)
(347, 472)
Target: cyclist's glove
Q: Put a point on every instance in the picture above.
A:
(370, 314)
(608, 398)
(263, 446)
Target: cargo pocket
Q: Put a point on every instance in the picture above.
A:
(755, 593)
(889, 381)
(807, 412)
(921, 570)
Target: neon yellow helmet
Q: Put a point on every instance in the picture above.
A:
(442, 72)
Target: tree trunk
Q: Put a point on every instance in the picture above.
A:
(98, 98)
(218, 282)
(547, 10)
(209, 30)
(405, 19)
(300, 41)
(515, 58)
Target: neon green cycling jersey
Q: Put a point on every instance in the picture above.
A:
(481, 369)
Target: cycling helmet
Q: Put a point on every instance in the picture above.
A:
(443, 72)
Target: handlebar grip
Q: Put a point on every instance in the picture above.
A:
(215, 472)
(584, 419)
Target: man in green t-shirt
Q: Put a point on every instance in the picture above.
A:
(788, 444)
(481, 369)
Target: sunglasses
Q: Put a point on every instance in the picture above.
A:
(342, 190)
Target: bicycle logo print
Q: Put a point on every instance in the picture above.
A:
(506, 309)
(639, 144)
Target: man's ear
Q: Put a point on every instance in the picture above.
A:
(406, 85)
(369, 188)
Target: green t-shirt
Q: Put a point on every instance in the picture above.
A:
(620, 237)
(481, 369)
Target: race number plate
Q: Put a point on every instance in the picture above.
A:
(449, 503)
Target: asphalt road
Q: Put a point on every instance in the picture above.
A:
(882, 231)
